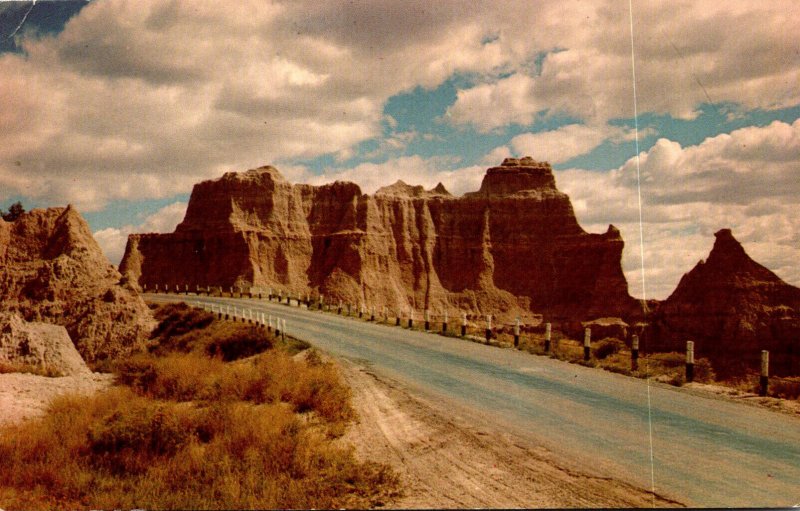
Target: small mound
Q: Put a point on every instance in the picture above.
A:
(40, 346)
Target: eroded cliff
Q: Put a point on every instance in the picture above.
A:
(732, 308)
(53, 271)
(513, 247)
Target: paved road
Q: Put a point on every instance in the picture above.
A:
(704, 451)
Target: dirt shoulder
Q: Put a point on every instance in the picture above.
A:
(446, 460)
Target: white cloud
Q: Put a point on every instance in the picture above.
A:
(112, 240)
(745, 180)
(496, 156)
(141, 99)
(687, 53)
(566, 142)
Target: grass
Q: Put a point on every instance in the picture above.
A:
(786, 388)
(613, 355)
(199, 421)
(13, 367)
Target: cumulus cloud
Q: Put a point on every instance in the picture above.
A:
(745, 180)
(687, 53)
(567, 142)
(112, 240)
(141, 99)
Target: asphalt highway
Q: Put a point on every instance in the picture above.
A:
(698, 450)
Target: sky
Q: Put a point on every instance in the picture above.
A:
(119, 107)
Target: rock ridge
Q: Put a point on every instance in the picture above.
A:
(52, 270)
(514, 246)
(732, 307)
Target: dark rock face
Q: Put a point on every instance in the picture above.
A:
(732, 307)
(514, 247)
(516, 175)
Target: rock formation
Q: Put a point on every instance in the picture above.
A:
(732, 307)
(513, 247)
(52, 270)
(47, 347)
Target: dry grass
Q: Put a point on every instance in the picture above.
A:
(120, 450)
(190, 430)
(271, 377)
(183, 330)
(613, 355)
(9, 367)
(786, 388)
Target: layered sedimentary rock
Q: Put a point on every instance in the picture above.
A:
(732, 308)
(53, 271)
(513, 247)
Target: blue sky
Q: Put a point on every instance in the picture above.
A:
(118, 107)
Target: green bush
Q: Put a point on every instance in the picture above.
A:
(239, 344)
(184, 330)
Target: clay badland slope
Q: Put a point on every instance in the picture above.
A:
(732, 307)
(53, 271)
(40, 345)
(513, 247)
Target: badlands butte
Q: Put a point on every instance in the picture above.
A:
(512, 248)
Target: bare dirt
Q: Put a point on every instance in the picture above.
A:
(450, 460)
(26, 396)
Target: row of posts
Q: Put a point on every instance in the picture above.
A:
(232, 291)
(763, 383)
(266, 322)
(260, 319)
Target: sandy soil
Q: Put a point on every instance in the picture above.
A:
(24, 396)
(450, 459)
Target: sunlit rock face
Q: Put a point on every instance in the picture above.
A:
(53, 271)
(512, 248)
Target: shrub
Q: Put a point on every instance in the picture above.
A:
(238, 344)
(607, 347)
(144, 454)
(177, 319)
(15, 211)
(183, 330)
(669, 360)
(272, 377)
(127, 440)
(671, 368)
(191, 430)
(786, 388)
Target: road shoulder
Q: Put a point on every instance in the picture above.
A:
(446, 460)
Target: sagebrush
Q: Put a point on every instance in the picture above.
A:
(194, 427)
